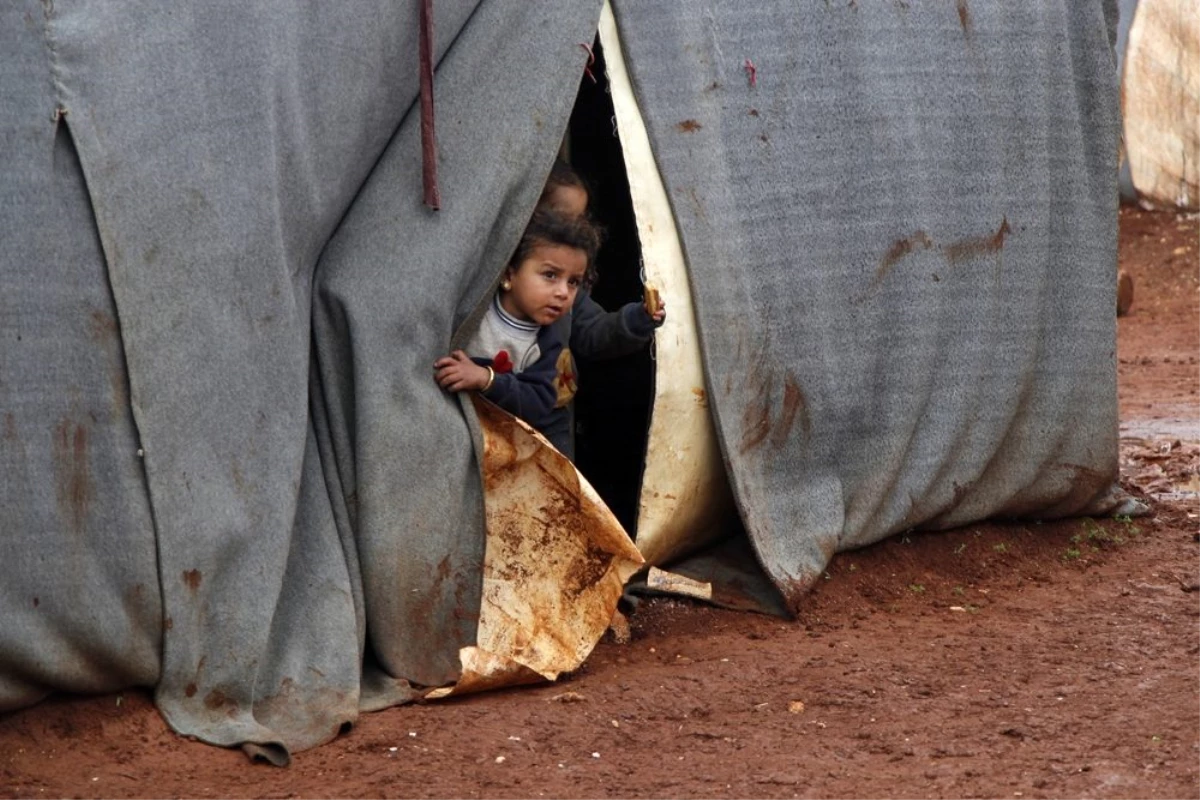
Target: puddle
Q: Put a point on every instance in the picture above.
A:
(1182, 428)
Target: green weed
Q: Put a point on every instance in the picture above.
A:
(1130, 526)
(1098, 536)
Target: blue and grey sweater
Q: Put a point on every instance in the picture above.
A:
(524, 358)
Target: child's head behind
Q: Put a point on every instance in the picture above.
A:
(565, 191)
(552, 261)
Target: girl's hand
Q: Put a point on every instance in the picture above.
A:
(458, 373)
(661, 314)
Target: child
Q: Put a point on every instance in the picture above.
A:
(512, 359)
(588, 331)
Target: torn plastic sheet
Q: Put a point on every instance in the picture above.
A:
(672, 583)
(555, 564)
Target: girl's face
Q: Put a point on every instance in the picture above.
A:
(570, 201)
(543, 286)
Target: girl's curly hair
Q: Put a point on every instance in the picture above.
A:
(551, 227)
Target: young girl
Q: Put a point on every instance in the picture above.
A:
(512, 359)
(588, 330)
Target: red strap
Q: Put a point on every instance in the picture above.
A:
(433, 197)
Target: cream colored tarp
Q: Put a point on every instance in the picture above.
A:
(1160, 101)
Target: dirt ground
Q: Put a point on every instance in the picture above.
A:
(999, 660)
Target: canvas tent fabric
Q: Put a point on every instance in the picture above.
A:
(168, 518)
(898, 221)
(228, 473)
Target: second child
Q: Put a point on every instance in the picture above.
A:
(588, 330)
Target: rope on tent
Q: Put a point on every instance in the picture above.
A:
(433, 197)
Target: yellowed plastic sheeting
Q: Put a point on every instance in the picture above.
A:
(555, 562)
(685, 498)
(1160, 101)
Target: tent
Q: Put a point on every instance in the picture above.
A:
(1158, 54)
(227, 472)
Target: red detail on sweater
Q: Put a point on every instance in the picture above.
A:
(502, 363)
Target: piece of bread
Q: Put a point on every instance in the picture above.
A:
(651, 301)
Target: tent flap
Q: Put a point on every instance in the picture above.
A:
(173, 512)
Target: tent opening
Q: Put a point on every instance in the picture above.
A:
(664, 478)
(612, 406)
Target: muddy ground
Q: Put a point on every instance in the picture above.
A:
(999, 660)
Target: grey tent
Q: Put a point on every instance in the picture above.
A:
(227, 473)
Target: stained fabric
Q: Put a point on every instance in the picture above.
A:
(79, 590)
(168, 519)
(899, 223)
(228, 472)
(394, 291)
